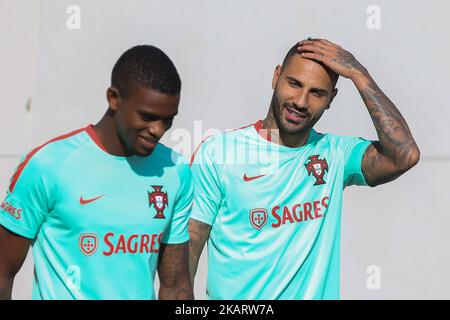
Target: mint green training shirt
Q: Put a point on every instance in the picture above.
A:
(97, 220)
(275, 212)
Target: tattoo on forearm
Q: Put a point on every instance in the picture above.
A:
(389, 123)
(347, 60)
(395, 139)
(199, 233)
(174, 272)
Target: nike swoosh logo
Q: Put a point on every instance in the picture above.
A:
(246, 178)
(86, 201)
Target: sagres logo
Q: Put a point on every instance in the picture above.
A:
(9, 208)
(113, 243)
(159, 200)
(258, 218)
(317, 168)
(88, 243)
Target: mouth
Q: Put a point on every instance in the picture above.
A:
(293, 115)
(147, 142)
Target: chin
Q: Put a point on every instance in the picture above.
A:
(291, 128)
(143, 152)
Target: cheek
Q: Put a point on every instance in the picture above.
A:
(284, 92)
(318, 110)
(132, 121)
(287, 94)
(126, 126)
(318, 102)
(283, 95)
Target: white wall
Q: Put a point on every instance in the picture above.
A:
(225, 52)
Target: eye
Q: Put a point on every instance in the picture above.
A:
(147, 117)
(318, 94)
(293, 84)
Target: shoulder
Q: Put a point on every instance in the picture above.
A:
(165, 154)
(169, 157)
(343, 147)
(217, 144)
(46, 159)
(337, 141)
(56, 150)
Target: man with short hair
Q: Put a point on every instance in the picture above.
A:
(107, 205)
(273, 227)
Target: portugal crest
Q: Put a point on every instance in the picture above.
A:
(88, 243)
(317, 168)
(159, 200)
(258, 218)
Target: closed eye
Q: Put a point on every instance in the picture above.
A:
(319, 93)
(316, 93)
(294, 84)
(148, 117)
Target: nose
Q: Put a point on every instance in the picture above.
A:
(301, 99)
(156, 129)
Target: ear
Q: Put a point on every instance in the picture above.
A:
(112, 95)
(276, 75)
(333, 94)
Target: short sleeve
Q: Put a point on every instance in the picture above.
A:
(354, 149)
(29, 197)
(207, 187)
(177, 231)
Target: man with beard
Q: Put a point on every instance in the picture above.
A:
(272, 210)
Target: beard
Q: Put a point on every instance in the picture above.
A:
(284, 125)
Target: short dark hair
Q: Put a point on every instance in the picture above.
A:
(293, 50)
(145, 66)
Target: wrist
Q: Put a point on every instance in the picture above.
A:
(361, 78)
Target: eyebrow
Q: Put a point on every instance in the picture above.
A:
(296, 81)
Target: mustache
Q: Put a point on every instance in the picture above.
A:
(296, 107)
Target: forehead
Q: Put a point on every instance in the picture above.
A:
(152, 101)
(308, 71)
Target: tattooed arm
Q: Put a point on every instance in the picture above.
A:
(199, 233)
(396, 151)
(173, 272)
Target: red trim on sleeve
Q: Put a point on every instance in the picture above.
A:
(24, 163)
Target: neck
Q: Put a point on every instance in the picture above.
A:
(292, 140)
(108, 135)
